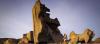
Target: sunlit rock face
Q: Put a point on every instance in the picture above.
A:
(8, 41)
(45, 29)
(37, 21)
(85, 37)
(24, 40)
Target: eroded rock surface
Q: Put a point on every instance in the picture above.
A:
(45, 29)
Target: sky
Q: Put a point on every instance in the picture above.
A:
(73, 15)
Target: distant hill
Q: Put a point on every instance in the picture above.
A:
(4, 39)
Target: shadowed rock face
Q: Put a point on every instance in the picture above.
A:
(45, 29)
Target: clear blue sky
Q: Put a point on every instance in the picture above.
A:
(74, 15)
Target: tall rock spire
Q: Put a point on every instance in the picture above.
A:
(36, 20)
(45, 29)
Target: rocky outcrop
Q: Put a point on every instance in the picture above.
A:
(3, 40)
(45, 29)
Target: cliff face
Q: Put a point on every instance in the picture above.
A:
(48, 30)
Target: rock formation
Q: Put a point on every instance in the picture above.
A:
(24, 40)
(37, 21)
(65, 39)
(85, 37)
(29, 36)
(9, 41)
(45, 29)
